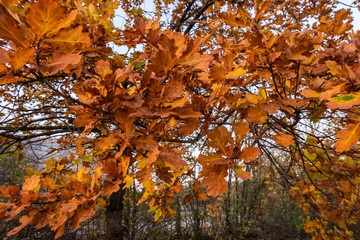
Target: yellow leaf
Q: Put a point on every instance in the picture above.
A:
(344, 101)
(128, 180)
(238, 72)
(158, 214)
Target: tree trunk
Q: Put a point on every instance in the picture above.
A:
(114, 216)
(227, 209)
(178, 218)
(196, 214)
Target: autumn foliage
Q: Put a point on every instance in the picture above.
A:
(226, 80)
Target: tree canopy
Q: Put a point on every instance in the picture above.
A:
(204, 88)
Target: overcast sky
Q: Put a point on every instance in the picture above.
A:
(149, 6)
(355, 13)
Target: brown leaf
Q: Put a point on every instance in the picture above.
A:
(103, 68)
(60, 61)
(241, 129)
(219, 139)
(172, 156)
(145, 143)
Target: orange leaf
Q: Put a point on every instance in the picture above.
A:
(256, 114)
(11, 31)
(201, 196)
(69, 206)
(46, 17)
(241, 173)
(103, 68)
(48, 183)
(196, 186)
(347, 137)
(240, 129)
(334, 68)
(21, 57)
(199, 61)
(214, 179)
(220, 138)
(172, 156)
(25, 220)
(308, 93)
(249, 153)
(284, 139)
(71, 38)
(214, 158)
(110, 187)
(60, 61)
(31, 183)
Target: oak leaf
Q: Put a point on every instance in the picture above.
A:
(59, 62)
(215, 158)
(70, 206)
(10, 30)
(31, 183)
(237, 72)
(214, 179)
(46, 17)
(256, 114)
(25, 220)
(249, 153)
(347, 137)
(172, 157)
(240, 129)
(21, 57)
(240, 173)
(344, 101)
(219, 139)
(201, 196)
(70, 38)
(284, 139)
(102, 68)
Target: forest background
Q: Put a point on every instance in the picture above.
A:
(190, 120)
